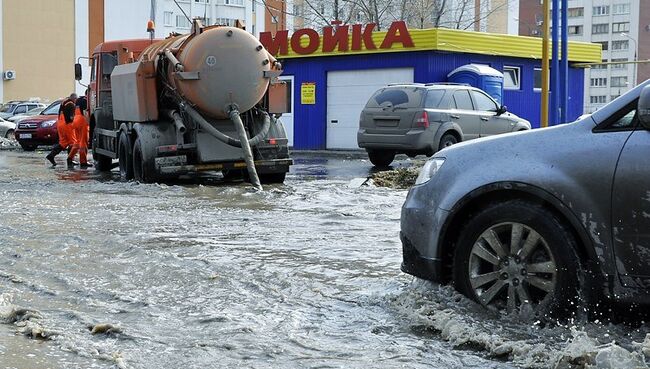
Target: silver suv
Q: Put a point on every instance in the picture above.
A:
(418, 119)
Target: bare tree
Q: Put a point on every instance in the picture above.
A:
(457, 14)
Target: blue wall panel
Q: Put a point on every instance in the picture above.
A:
(429, 66)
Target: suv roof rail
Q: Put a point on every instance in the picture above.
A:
(447, 84)
(406, 84)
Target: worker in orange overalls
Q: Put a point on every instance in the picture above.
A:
(80, 129)
(63, 128)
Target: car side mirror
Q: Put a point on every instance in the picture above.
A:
(502, 110)
(643, 109)
(78, 74)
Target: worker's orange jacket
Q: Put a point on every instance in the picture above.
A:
(80, 129)
(64, 129)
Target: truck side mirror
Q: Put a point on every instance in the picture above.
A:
(78, 74)
(643, 109)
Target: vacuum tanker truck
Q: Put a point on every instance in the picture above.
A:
(205, 101)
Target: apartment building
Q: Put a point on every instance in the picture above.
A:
(621, 27)
(39, 43)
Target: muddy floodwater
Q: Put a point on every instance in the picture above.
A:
(98, 273)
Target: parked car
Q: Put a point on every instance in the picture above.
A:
(30, 113)
(423, 118)
(542, 217)
(18, 107)
(7, 128)
(39, 129)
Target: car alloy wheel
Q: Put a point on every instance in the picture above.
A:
(518, 256)
(523, 267)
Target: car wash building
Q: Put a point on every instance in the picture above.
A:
(333, 74)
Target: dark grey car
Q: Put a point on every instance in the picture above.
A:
(419, 119)
(538, 218)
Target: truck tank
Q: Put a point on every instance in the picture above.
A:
(210, 80)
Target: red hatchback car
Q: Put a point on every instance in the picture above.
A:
(39, 129)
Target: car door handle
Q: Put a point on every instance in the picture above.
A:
(455, 116)
(485, 118)
(334, 121)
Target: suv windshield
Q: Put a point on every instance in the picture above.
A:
(8, 108)
(398, 96)
(53, 109)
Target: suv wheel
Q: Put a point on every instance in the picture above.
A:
(447, 140)
(516, 256)
(381, 158)
(28, 147)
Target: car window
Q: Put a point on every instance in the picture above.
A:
(623, 120)
(433, 98)
(483, 102)
(8, 108)
(53, 109)
(407, 97)
(21, 109)
(462, 100)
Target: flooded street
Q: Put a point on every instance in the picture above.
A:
(98, 273)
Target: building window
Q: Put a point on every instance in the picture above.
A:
(619, 66)
(598, 82)
(620, 27)
(620, 45)
(604, 45)
(202, 1)
(600, 28)
(234, 2)
(600, 66)
(182, 22)
(600, 99)
(575, 30)
(537, 78)
(621, 9)
(511, 78)
(205, 21)
(619, 82)
(575, 12)
(601, 10)
(168, 16)
(225, 22)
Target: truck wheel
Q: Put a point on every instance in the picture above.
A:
(269, 178)
(143, 171)
(102, 163)
(381, 158)
(28, 147)
(517, 256)
(125, 158)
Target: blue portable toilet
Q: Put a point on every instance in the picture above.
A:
(480, 76)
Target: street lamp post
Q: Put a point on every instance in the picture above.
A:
(635, 54)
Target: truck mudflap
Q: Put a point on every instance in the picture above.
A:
(175, 165)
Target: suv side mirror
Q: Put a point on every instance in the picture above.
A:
(643, 109)
(502, 110)
(78, 74)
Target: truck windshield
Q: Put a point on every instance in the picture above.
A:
(109, 61)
